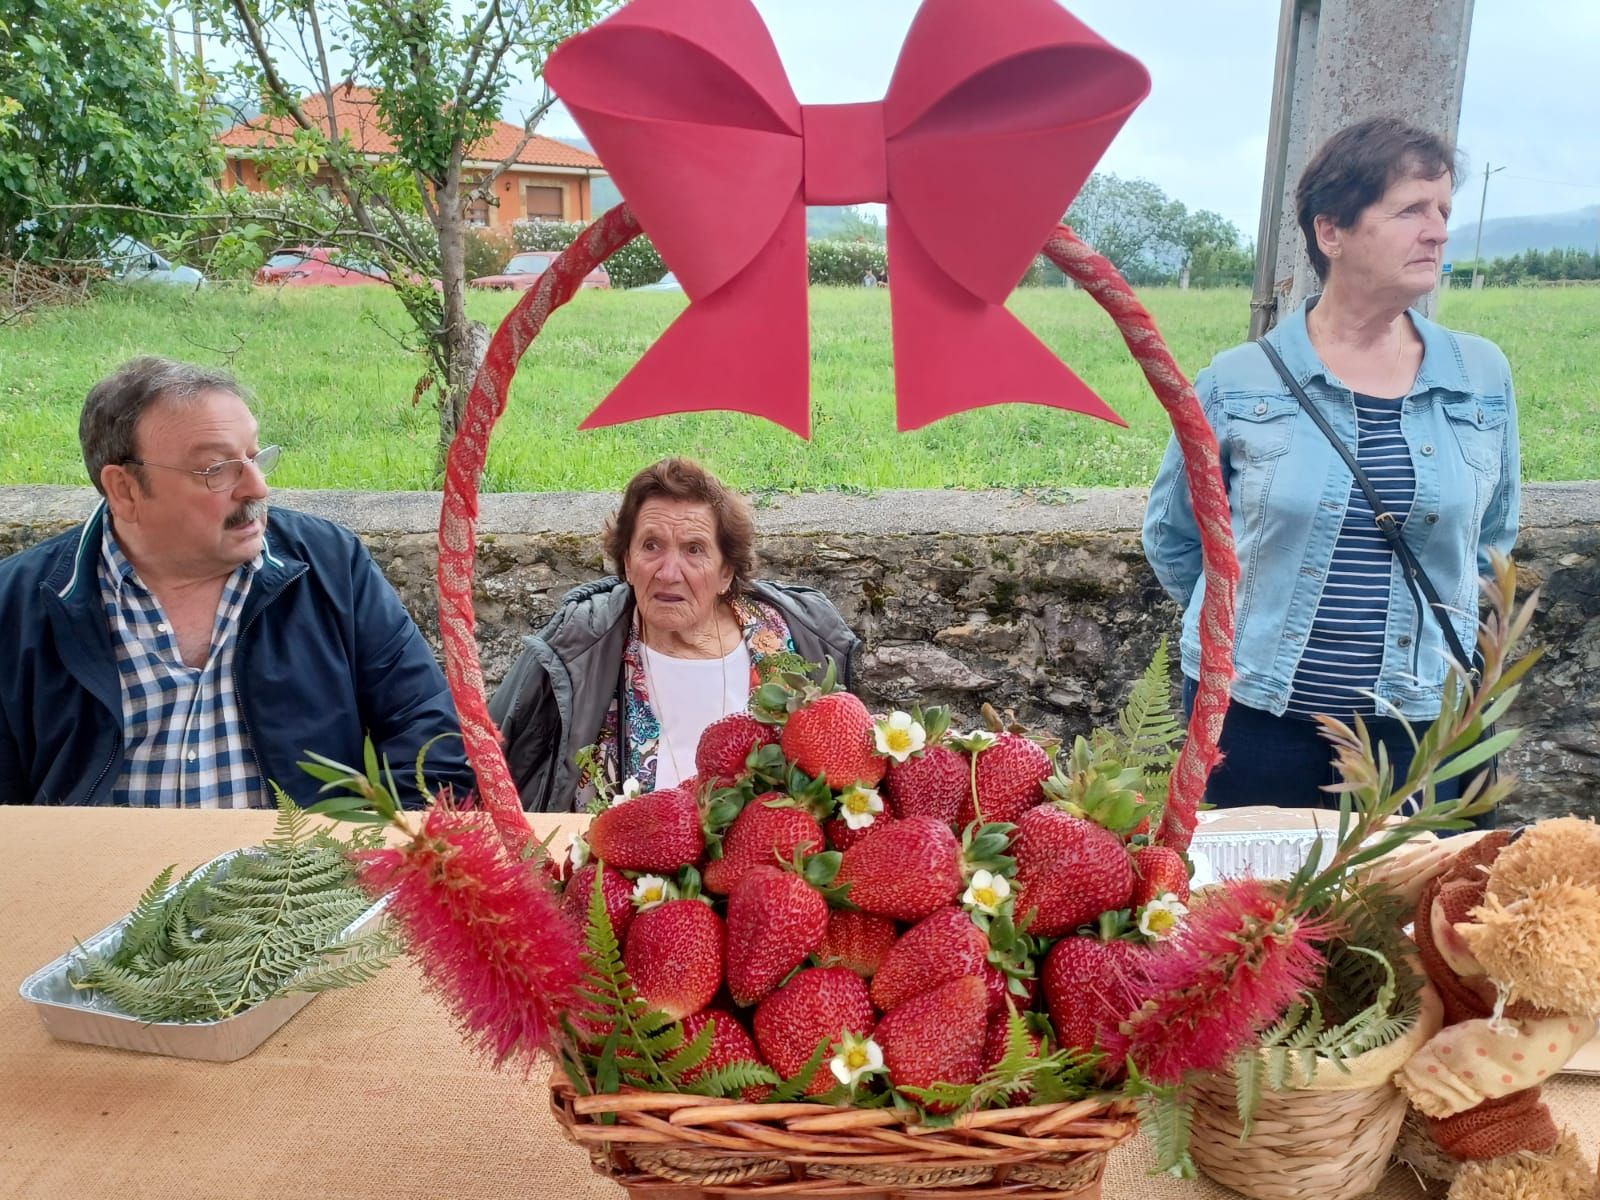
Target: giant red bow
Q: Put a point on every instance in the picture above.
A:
(996, 114)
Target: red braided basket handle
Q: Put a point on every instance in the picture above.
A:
(487, 401)
(1202, 468)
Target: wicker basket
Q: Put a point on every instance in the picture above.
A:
(1331, 1145)
(674, 1147)
(1331, 1140)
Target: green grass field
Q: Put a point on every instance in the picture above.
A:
(335, 389)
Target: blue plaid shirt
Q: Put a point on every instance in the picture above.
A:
(184, 742)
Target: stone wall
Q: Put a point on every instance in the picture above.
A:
(963, 597)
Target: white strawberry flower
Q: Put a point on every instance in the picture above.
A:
(651, 891)
(577, 852)
(899, 736)
(987, 892)
(631, 787)
(859, 806)
(979, 739)
(857, 1057)
(1160, 918)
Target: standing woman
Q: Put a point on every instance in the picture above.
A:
(1326, 621)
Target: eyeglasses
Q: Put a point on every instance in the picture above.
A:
(223, 476)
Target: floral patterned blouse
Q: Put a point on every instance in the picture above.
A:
(765, 632)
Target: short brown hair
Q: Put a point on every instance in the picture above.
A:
(1356, 166)
(685, 479)
(110, 417)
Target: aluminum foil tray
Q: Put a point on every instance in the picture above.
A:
(74, 1016)
(1265, 853)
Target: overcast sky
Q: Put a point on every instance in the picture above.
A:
(1532, 101)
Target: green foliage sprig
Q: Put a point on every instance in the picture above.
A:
(638, 1046)
(1022, 1076)
(244, 931)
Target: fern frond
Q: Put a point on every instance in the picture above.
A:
(242, 931)
(1147, 726)
(1250, 1074)
(692, 1054)
(794, 1088)
(733, 1079)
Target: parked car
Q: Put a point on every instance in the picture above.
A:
(524, 269)
(131, 261)
(319, 266)
(667, 283)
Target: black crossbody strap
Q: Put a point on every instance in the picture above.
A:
(1422, 589)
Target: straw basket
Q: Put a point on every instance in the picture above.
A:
(674, 1147)
(1331, 1140)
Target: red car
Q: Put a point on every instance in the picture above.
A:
(524, 269)
(319, 266)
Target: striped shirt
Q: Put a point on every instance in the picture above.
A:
(1344, 650)
(184, 741)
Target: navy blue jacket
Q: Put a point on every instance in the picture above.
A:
(326, 654)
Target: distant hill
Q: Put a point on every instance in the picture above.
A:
(1505, 236)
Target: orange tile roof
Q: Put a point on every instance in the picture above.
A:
(356, 114)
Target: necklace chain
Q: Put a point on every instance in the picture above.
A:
(655, 698)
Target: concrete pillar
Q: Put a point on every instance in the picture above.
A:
(1338, 62)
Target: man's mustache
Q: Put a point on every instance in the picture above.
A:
(250, 510)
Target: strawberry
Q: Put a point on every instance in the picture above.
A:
(841, 837)
(857, 940)
(936, 1037)
(1089, 987)
(934, 783)
(940, 947)
(775, 920)
(761, 835)
(659, 831)
(674, 955)
(727, 743)
(1009, 779)
(730, 1044)
(1069, 871)
(1159, 870)
(905, 870)
(618, 893)
(831, 738)
(818, 1003)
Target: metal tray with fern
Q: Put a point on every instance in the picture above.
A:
(320, 934)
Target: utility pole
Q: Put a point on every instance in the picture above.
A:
(172, 52)
(199, 45)
(1339, 61)
(1477, 249)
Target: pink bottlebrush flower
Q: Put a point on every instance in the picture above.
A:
(1240, 960)
(486, 930)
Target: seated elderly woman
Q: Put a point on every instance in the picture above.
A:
(640, 665)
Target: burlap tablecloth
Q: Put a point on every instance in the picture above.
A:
(366, 1093)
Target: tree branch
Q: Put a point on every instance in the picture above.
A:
(469, 68)
(269, 65)
(529, 123)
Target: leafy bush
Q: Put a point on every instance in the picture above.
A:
(487, 252)
(845, 264)
(545, 235)
(87, 116)
(633, 265)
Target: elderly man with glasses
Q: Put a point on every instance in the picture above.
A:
(183, 647)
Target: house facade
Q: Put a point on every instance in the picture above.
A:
(549, 181)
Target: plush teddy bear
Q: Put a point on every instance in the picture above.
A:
(1509, 933)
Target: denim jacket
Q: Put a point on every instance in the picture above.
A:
(1288, 490)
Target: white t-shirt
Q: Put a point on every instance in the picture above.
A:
(687, 695)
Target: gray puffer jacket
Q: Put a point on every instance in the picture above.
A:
(555, 697)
